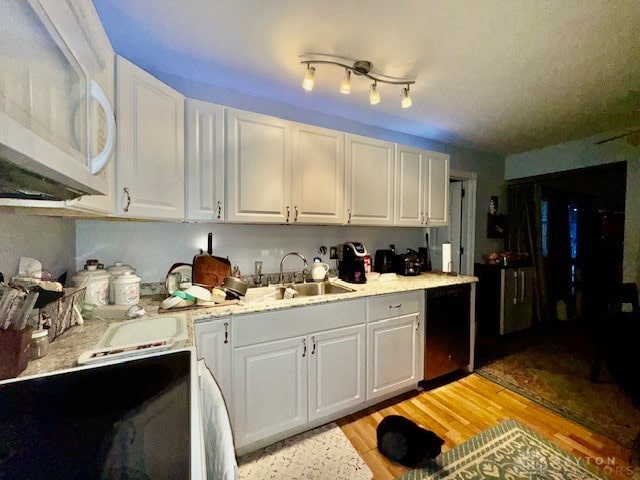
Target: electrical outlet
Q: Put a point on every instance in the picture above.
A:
(333, 253)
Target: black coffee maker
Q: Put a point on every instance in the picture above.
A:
(351, 262)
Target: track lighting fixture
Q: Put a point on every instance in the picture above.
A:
(362, 68)
(309, 78)
(406, 99)
(374, 94)
(345, 83)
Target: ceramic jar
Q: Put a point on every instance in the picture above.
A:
(126, 289)
(118, 268)
(96, 283)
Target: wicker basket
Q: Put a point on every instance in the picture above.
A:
(64, 313)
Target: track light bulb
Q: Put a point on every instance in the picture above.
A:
(374, 94)
(309, 78)
(345, 83)
(406, 99)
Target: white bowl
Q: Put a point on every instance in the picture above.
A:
(199, 292)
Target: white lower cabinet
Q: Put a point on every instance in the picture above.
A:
(292, 367)
(395, 343)
(213, 344)
(271, 389)
(336, 370)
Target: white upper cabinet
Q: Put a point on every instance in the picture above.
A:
(150, 153)
(409, 187)
(258, 168)
(421, 188)
(369, 179)
(437, 190)
(50, 54)
(317, 175)
(204, 149)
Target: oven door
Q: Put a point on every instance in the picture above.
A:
(138, 418)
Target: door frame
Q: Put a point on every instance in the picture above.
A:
(468, 239)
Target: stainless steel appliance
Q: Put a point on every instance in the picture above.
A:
(407, 264)
(121, 410)
(351, 262)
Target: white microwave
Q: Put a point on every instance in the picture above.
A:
(57, 126)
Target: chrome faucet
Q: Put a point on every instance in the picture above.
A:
(306, 266)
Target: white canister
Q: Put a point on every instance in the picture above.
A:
(96, 283)
(127, 289)
(118, 268)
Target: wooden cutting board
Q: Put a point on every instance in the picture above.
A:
(208, 269)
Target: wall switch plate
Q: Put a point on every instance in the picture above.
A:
(333, 253)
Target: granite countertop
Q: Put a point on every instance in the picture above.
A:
(401, 284)
(66, 349)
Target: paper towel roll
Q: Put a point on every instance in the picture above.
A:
(446, 257)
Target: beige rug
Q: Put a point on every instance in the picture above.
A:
(321, 454)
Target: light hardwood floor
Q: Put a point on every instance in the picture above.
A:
(461, 409)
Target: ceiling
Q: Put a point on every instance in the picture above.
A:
(496, 76)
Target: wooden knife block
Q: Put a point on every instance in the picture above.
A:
(15, 351)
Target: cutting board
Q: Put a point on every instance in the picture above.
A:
(208, 269)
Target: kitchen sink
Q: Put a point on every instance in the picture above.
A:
(311, 289)
(317, 288)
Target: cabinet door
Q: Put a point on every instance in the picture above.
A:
(204, 145)
(369, 173)
(409, 187)
(150, 153)
(336, 370)
(258, 168)
(437, 190)
(213, 344)
(317, 181)
(270, 388)
(393, 359)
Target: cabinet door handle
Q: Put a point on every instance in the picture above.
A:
(313, 345)
(219, 210)
(288, 214)
(126, 192)
(521, 286)
(422, 221)
(515, 290)
(348, 216)
(417, 322)
(226, 332)
(304, 347)
(295, 209)
(426, 220)
(395, 306)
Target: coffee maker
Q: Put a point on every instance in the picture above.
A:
(351, 257)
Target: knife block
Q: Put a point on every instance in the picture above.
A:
(15, 349)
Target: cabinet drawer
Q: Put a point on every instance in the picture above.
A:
(292, 322)
(395, 305)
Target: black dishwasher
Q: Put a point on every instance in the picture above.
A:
(447, 330)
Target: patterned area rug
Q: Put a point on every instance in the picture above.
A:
(555, 372)
(508, 450)
(321, 454)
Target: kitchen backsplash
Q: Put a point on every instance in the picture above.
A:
(152, 248)
(50, 240)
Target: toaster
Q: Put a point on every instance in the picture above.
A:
(407, 264)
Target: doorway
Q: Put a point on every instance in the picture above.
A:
(461, 230)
